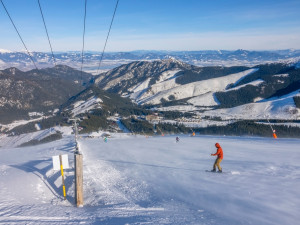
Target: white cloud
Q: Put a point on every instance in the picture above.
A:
(214, 40)
(247, 39)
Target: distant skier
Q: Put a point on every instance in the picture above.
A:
(105, 139)
(177, 139)
(219, 159)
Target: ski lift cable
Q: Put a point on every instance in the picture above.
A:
(271, 126)
(83, 38)
(46, 31)
(18, 34)
(112, 20)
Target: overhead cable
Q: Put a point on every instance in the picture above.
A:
(107, 35)
(19, 34)
(47, 32)
(83, 38)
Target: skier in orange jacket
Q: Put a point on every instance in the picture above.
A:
(219, 159)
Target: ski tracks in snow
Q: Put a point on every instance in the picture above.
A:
(105, 185)
(122, 197)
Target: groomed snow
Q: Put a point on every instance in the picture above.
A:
(141, 86)
(84, 106)
(208, 99)
(166, 81)
(201, 123)
(16, 123)
(253, 83)
(138, 180)
(275, 108)
(139, 89)
(16, 140)
(167, 75)
(199, 88)
(181, 108)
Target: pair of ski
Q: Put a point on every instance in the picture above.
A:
(213, 171)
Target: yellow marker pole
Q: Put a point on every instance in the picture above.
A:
(62, 176)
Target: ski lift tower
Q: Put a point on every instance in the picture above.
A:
(78, 168)
(75, 125)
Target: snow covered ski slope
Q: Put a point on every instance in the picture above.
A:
(138, 180)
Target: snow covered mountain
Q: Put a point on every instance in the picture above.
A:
(276, 108)
(37, 90)
(201, 93)
(173, 83)
(136, 75)
(111, 60)
(182, 94)
(98, 108)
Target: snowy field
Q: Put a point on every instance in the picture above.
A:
(139, 180)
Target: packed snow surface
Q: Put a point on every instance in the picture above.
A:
(84, 106)
(166, 81)
(203, 90)
(253, 83)
(275, 108)
(138, 180)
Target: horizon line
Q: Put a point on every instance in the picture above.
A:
(142, 50)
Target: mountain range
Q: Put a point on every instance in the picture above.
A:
(37, 90)
(114, 59)
(179, 93)
(170, 82)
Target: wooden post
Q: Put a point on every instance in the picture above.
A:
(62, 176)
(78, 180)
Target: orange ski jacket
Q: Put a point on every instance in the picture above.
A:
(219, 152)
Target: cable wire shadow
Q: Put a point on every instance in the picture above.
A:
(150, 165)
(41, 168)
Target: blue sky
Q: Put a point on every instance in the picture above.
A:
(153, 25)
